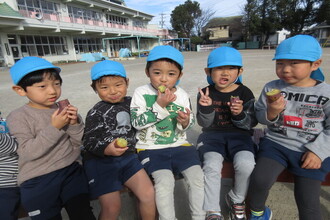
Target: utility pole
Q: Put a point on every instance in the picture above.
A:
(162, 20)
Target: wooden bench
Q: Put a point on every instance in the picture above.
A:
(285, 176)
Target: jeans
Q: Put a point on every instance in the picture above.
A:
(164, 187)
(243, 164)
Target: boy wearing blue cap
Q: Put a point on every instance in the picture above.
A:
(109, 165)
(9, 191)
(50, 175)
(298, 131)
(161, 113)
(225, 113)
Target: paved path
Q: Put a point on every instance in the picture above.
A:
(258, 69)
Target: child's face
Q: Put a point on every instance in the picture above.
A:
(296, 72)
(163, 73)
(112, 89)
(224, 76)
(43, 95)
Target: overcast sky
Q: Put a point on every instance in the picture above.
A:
(222, 8)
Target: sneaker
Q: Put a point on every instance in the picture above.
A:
(236, 210)
(266, 216)
(214, 216)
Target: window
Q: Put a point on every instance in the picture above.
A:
(116, 45)
(29, 39)
(1, 54)
(37, 39)
(116, 19)
(138, 23)
(43, 45)
(12, 39)
(86, 45)
(38, 5)
(2, 59)
(86, 14)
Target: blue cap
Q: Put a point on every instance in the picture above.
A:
(166, 51)
(106, 68)
(28, 65)
(301, 47)
(224, 56)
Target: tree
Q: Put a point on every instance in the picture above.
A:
(183, 18)
(323, 13)
(296, 15)
(195, 40)
(264, 17)
(269, 20)
(251, 19)
(201, 21)
(260, 18)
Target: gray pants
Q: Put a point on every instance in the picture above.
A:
(164, 187)
(243, 164)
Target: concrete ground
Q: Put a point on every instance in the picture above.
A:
(258, 69)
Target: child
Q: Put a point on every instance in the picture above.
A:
(50, 176)
(298, 131)
(9, 191)
(225, 113)
(162, 119)
(108, 166)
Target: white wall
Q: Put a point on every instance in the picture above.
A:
(277, 38)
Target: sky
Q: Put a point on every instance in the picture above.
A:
(222, 8)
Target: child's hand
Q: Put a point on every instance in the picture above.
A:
(61, 119)
(275, 108)
(165, 98)
(72, 114)
(311, 161)
(111, 150)
(236, 107)
(205, 99)
(184, 118)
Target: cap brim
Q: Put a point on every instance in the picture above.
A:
(107, 73)
(288, 56)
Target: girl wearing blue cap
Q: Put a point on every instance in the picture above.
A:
(50, 175)
(225, 113)
(110, 166)
(161, 117)
(298, 133)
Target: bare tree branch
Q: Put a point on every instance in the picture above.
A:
(201, 21)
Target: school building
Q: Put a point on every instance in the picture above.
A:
(63, 30)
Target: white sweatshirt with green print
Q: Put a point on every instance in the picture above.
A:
(157, 127)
